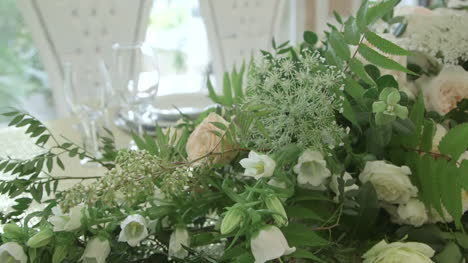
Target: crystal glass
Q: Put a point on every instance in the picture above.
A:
(86, 87)
(135, 75)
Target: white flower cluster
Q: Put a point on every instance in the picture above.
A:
(441, 34)
(301, 100)
(131, 180)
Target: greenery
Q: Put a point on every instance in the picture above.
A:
(21, 72)
(245, 183)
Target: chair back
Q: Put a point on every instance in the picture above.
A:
(80, 31)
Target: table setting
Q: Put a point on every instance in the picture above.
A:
(351, 146)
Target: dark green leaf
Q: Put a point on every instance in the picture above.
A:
(339, 45)
(455, 142)
(351, 32)
(384, 45)
(357, 68)
(379, 10)
(310, 38)
(380, 60)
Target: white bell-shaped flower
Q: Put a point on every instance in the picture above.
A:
(12, 252)
(179, 238)
(96, 251)
(134, 229)
(258, 165)
(269, 243)
(312, 170)
(66, 222)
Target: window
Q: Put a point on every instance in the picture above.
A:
(177, 31)
(23, 82)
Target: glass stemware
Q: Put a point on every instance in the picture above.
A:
(86, 85)
(136, 80)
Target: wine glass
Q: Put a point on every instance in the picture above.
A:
(85, 88)
(136, 81)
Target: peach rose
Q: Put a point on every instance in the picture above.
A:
(202, 141)
(446, 90)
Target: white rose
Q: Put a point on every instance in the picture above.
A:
(405, 10)
(312, 170)
(202, 141)
(269, 243)
(258, 165)
(446, 90)
(399, 252)
(179, 237)
(96, 251)
(66, 222)
(134, 230)
(391, 182)
(413, 213)
(12, 252)
(334, 185)
(457, 3)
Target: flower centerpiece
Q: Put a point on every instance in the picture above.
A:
(327, 155)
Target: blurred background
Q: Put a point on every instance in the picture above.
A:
(190, 38)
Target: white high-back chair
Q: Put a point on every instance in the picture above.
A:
(238, 29)
(84, 29)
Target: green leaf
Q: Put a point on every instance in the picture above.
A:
(151, 145)
(16, 120)
(451, 253)
(302, 253)
(351, 32)
(417, 116)
(219, 125)
(450, 189)
(455, 142)
(310, 38)
(404, 127)
(211, 92)
(368, 208)
(384, 45)
(302, 235)
(227, 91)
(349, 114)
(379, 10)
(60, 163)
(380, 60)
(357, 68)
(339, 45)
(429, 130)
(361, 17)
(372, 71)
(303, 213)
(338, 17)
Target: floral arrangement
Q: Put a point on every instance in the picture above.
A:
(353, 149)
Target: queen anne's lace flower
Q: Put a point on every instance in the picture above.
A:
(442, 35)
(299, 96)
